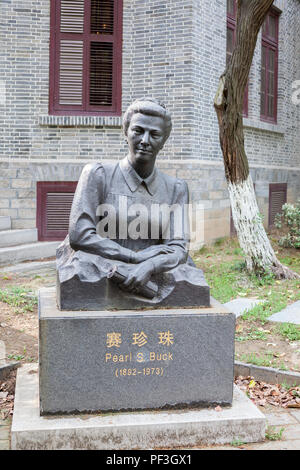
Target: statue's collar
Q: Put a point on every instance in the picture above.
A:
(134, 180)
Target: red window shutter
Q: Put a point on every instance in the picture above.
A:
(85, 57)
(230, 42)
(54, 201)
(277, 197)
(269, 68)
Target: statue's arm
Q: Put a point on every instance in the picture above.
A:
(178, 235)
(83, 218)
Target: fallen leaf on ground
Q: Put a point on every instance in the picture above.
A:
(262, 393)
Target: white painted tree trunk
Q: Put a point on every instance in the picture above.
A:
(252, 236)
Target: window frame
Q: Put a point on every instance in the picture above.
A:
(270, 44)
(55, 35)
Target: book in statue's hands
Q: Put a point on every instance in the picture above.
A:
(118, 274)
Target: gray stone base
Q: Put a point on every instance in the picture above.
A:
(133, 360)
(129, 430)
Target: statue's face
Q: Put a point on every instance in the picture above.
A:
(146, 136)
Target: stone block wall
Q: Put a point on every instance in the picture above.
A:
(207, 187)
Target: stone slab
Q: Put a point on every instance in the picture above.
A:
(123, 360)
(240, 306)
(31, 268)
(129, 430)
(18, 237)
(290, 314)
(28, 251)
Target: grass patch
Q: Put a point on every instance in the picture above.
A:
(220, 241)
(223, 283)
(273, 435)
(16, 357)
(237, 443)
(287, 387)
(264, 360)
(290, 331)
(253, 334)
(20, 357)
(275, 301)
(20, 298)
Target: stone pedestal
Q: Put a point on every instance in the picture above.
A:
(134, 360)
(129, 430)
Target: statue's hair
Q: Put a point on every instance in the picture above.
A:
(150, 107)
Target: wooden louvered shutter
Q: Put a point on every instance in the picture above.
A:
(54, 201)
(277, 197)
(85, 60)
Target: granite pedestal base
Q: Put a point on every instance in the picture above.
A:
(129, 430)
(133, 360)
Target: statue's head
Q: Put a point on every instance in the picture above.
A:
(147, 125)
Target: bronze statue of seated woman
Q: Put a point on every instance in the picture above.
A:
(128, 239)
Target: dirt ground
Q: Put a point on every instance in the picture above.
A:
(283, 354)
(19, 331)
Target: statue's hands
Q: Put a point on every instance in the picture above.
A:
(150, 252)
(138, 277)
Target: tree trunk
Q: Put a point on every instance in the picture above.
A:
(259, 254)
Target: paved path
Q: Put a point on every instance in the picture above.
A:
(240, 306)
(290, 314)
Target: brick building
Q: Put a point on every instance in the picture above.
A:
(56, 117)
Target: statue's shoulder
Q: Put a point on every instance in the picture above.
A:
(99, 168)
(172, 182)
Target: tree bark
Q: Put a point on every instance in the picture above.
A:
(259, 254)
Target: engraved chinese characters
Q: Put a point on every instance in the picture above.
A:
(136, 357)
(115, 339)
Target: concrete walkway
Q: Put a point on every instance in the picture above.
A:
(240, 306)
(290, 314)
